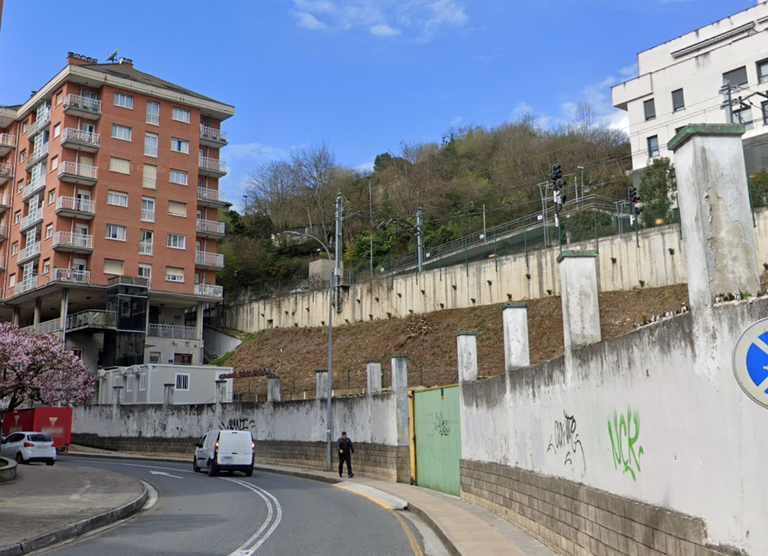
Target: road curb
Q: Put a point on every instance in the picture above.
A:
(300, 474)
(134, 457)
(8, 473)
(76, 529)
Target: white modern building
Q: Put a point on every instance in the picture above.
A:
(688, 80)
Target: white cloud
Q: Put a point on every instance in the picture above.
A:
(383, 30)
(457, 120)
(365, 168)
(444, 12)
(308, 21)
(317, 7)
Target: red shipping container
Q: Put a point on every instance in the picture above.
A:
(56, 421)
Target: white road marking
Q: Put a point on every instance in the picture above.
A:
(260, 537)
(151, 497)
(165, 474)
(79, 493)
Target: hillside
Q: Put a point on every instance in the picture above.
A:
(429, 342)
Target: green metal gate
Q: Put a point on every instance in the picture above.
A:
(437, 431)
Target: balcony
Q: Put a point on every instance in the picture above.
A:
(2, 264)
(211, 137)
(35, 186)
(80, 140)
(26, 285)
(92, 319)
(210, 228)
(213, 261)
(47, 327)
(145, 248)
(212, 167)
(3, 232)
(6, 173)
(172, 332)
(211, 198)
(71, 275)
(5, 202)
(72, 243)
(42, 122)
(37, 155)
(28, 253)
(88, 108)
(7, 143)
(82, 174)
(31, 220)
(73, 207)
(208, 290)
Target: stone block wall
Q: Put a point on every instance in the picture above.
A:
(576, 520)
(142, 444)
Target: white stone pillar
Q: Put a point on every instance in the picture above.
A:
(321, 384)
(578, 287)
(373, 372)
(466, 343)
(221, 391)
(37, 310)
(273, 389)
(400, 391)
(168, 389)
(516, 346)
(715, 214)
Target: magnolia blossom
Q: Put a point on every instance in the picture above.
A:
(40, 369)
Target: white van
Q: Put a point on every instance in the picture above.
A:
(223, 450)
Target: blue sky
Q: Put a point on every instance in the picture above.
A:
(360, 75)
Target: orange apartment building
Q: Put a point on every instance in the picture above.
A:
(109, 201)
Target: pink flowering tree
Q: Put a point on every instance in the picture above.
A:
(39, 369)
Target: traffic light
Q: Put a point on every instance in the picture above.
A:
(559, 202)
(638, 210)
(557, 177)
(632, 195)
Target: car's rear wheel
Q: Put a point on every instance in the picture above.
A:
(213, 469)
(195, 468)
(19, 457)
(50, 462)
(249, 472)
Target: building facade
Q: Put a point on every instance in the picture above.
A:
(691, 79)
(109, 202)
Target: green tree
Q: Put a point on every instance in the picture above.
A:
(654, 192)
(758, 189)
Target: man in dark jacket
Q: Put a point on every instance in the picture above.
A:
(345, 454)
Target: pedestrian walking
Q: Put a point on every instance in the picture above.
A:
(345, 454)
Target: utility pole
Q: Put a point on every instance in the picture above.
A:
(485, 232)
(337, 247)
(370, 199)
(726, 91)
(420, 239)
(371, 238)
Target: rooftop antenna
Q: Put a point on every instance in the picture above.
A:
(111, 57)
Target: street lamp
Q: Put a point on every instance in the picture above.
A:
(582, 184)
(370, 199)
(329, 416)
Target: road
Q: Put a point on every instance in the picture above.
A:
(264, 515)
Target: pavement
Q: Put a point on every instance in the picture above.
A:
(45, 505)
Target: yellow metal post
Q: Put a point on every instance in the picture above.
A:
(412, 437)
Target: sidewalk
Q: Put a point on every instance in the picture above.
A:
(46, 505)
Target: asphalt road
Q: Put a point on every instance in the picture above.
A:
(264, 515)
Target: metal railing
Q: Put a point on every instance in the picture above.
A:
(47, 327)
(213, 164)
(26, 285)
(211, 226)
(172, 331)
(6, 170)
(32, 218)
(29, 251)
(71, 275)
(82, 170)
(80, 136)
(43, 121)
(5, 200)
(213, 134)
(34, 186)
(208, 194)
(40, 152)
(208, 258)
(148, 215)
(82, 103)
(7, 139)
(76, 204)
(99, 319)
(145, 248)
(3, 230)
(80, 241)
(209, 290)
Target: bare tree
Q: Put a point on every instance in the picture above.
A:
(272, 191)
(313, 172)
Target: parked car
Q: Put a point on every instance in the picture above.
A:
(27, 447)
(225, 450)
(300, 289)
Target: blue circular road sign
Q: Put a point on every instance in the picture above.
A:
(750, 362)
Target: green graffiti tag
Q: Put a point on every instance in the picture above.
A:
(624, 432)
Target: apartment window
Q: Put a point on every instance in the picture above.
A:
(177, 209)
(149, 180)
(145, 243)
(153, 112)
(56, 130)
(679, 129)
(649, 106)
(126, 101)
(179, 145)
(17, 217)
(174, 274)
(121, 132)
(177, 241)
(678, 100)
(653, 146)
(15, 248)
(762, 71)
(46, 266)
(113, 266)
(25, 126)
(118, 199)
(154, 357)
(11, 280)
(51, 196)
(150, 144)
(200, 182)
(116, 232)
(147, 209)
(764, 108)
(59, 97)
(143, 381)
(736, 78)
(54, 163)
(20, 186)
(49, 231)
(145, 271)
(744, 117)
(182, 358)
(129, 383)
(181, 115)
(119, 165)
(182, 381)
(23, 155)
(177, 176)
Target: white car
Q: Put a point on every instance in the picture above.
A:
(225, 450)
(27, 447)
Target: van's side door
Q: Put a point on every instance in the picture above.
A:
(200, 454)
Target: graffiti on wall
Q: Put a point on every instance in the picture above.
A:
(565, 438)
(441, 425)
(242, 424)
(624, 431)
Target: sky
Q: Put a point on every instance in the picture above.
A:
(361, 76)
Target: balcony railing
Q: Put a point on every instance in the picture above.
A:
(205, 258)
(42, 122)
(92, 319)
(207, 194)
(80, 137)
(6, 171)
(88, 106)
(84, 171)
(75, 204)
(32, 219)
(172, 331)
(40, 152)
(212, 134)
(73, 240)
(71, 275)
(5, 201)
(212, 166)
(209, 290)
(145, 248)
(35, 186)
(210, 226)
(7, 140)
(47, 327)
(26, 285)
(148, 215)
(28, 252)
(3, 231)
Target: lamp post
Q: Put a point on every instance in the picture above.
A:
(582, 184)
(370, 199)
(329, 415)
